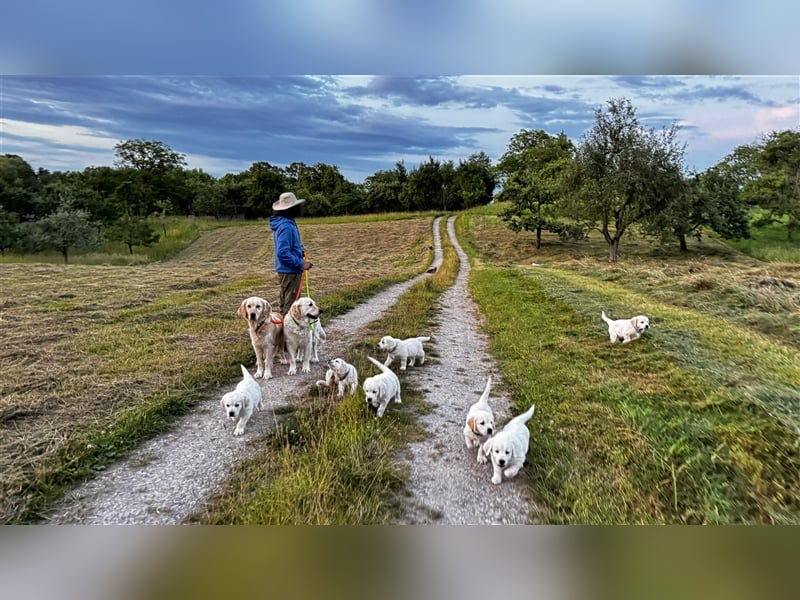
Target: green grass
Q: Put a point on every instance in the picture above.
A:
(770, 244)
(697, 422)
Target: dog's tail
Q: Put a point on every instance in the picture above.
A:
(380, 365)
(485, 396)
(424, 338)
(246, 374)
(524, 417)
(604, 316)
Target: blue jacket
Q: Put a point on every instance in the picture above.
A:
(288, 249)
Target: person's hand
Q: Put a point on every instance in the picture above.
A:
(307, 265)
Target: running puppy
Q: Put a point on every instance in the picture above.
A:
(341, 375)
(298, 329)
(266, 332)
(480, 423)
(408, 350)
(241, 402)
(625, 330)
(380, 389)
(508, 447)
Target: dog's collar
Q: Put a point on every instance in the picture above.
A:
(272, 320)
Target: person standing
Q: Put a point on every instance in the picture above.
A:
(290, 259)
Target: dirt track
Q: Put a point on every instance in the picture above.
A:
(168, 478)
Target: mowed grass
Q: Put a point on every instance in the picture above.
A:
(332, 462)
(95, 358)
(697, 422)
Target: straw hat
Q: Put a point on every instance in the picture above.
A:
(287, 200)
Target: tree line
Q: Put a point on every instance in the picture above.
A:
(617, 175)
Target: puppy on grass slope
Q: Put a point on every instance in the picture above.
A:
(625, 330)
(508, 448)
(480, 423)
(241, 402)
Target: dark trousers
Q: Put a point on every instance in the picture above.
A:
(290, 283)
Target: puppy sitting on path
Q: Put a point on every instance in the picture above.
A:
(408, 350)
(340, 375)
(241, 402)
(380, 389)
(508, 447)
(480, 423)
(625, 330)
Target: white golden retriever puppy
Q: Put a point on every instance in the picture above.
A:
(380, 389)
(408, 350)
(241, 402)
(508, 447)
(318, 335)
(340, 375)
(298, 329)
(266, 332)
(480, 423)
(625, 330)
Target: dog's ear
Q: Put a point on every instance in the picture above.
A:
(634, 323)
(487, 447)
(242, 310)
(471, 424)
(294, 311)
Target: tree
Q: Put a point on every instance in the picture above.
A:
(533, 167)
(66, 228)
(711, 199)
(157, 171)
(133, 231)
(474, 181)
(776, 189)
(383, 190)
(18, 186)
(623, 173)
(8, 230)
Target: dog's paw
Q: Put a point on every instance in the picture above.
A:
(239, 429)
(482, 458)
(258, 374)
(496, 479)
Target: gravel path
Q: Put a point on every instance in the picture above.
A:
(169, 477)
(447, 484)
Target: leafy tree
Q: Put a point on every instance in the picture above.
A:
(18, 186)
(777, 187)
(66, 228)
(623, 172)
(533, 167)
(474, 181)
(157, 171)
(711, 199)
(8, 230)
(133, 231)
(383, 190)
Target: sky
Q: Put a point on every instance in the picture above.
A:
(363, 84)
(363, 124)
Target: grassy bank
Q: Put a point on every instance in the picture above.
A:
(697, 422)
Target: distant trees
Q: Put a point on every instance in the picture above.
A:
(776, 186)
(620, 174)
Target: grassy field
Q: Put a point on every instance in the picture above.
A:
(697, 422)
(96, 357)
